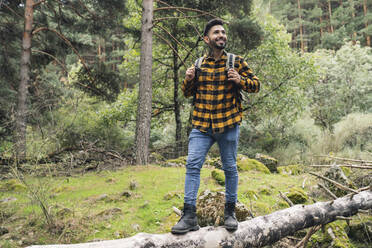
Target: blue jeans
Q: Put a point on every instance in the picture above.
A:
(199, 145)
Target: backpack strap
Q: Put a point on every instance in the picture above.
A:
(230, 61)
(230, 64)
(197, 65)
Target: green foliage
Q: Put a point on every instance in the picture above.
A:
(99, 80)
(344, 84)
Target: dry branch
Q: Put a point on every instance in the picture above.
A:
(338, 185)
(343, 165)
(346, 159)
(257, 232)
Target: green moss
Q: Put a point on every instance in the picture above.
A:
(177, 162)
(297, 196)
(251, 194)
(294, 169)
(12, 185)
(246, 164)
(265, 191)
(219, 176)
(346, 171)
(283, 204)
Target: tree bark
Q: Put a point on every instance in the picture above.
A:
(257, 232)
(330, 16)
(365, 10)
(144, 107)
(177, 114)
(21, 116)
(301, 27)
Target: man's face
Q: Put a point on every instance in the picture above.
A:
(216, 37)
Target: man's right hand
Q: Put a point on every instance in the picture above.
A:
(190, 73)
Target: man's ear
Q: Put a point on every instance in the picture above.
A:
(206, 39)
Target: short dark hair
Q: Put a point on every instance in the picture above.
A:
(210, 24)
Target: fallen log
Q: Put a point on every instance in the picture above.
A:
(257, 232)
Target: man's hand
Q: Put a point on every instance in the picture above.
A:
(190, 73)
(234, 76)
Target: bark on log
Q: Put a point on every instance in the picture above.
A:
(257, 232)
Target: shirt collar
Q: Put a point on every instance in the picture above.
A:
(209, 56)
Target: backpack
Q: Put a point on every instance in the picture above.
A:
(229, 65)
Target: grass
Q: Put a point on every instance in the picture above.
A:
(146, 210)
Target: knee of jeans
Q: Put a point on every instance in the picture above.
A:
(192, 171)
(230, 169)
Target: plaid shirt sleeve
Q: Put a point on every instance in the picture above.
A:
(248, 82)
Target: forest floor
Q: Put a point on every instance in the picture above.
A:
(114, 204)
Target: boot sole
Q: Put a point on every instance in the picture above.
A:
(195, 228)
(231, 229)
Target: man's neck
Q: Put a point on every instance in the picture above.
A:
(216, 53)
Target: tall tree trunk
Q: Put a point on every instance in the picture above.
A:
(177, 115)
(353, 15)
(365, 9)
(21, 116)
(301, 27)
(330, 15)
(144, 107)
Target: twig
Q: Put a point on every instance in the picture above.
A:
(327, 190)
(187, 9)
(338, 185)
(343, 165)
(346, 159)
(286, 199)
(170, 45)
(177, 211)
(304, 241)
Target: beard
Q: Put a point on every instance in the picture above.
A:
(218, 44)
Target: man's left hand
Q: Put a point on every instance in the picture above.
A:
(234, 76)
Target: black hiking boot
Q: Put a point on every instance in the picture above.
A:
(231, 224)
(188, 221)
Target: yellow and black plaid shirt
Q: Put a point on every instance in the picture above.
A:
(216, 101)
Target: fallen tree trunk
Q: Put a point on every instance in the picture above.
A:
(257, 232)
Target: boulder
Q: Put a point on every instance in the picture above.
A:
(297, 196)
(270, 162)
(246, 164)
(210, 209)
(177, 162)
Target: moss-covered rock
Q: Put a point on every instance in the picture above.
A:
(246, 164)
(294, 169)
(210, 209)
(297, 196)
(270, 162)
(177, 162)
(215, 162)
(12, 185)
(219, 176)
(334, 235)
(171, 195)
(283, 204)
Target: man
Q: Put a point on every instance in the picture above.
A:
(216, 117)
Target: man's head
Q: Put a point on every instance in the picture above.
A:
(215, 35)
